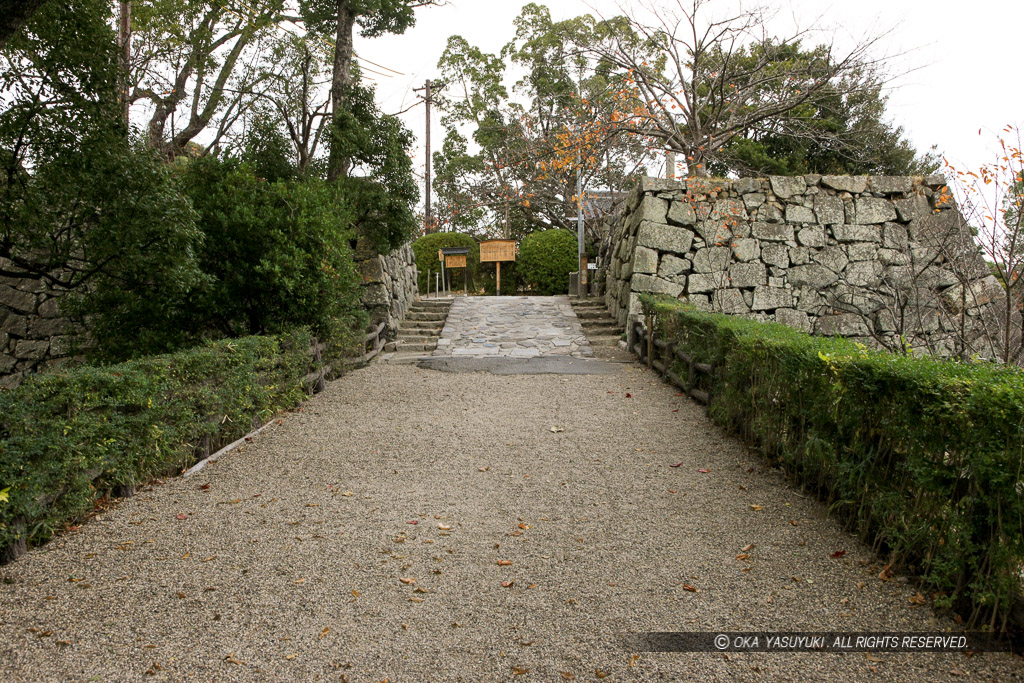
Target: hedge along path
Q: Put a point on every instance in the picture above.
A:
(410, 524)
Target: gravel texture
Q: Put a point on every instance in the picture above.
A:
(285, 560)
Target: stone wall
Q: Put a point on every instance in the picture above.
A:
(389, 283)
(33, 336)
(875, 258)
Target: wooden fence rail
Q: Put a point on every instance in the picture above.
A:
(660, 355)
(316, 381)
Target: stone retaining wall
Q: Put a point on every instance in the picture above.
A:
(389, 284)
(870, 257)
(33, 335)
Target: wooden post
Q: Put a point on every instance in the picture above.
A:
(650, 341)
(497, 290)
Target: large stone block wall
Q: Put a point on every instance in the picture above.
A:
(869, 257)
(33, 335)
(389, 283)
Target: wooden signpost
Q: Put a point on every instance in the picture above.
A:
(496, 251)
(456, 257)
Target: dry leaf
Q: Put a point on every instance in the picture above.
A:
(566, 676)
(531, 586)
(918, 599)
(408, 581)
(688, 587)
(180, 594)
(415, 599)
(524, 526)
(633, 660)
(742, 556)
(504, 563)
(600, 674)
(291, 656)
(508, 584)
(793, 522)
(518, 671)
(298, 582)
(181, 516)
(755, 508)
(444, 527)
(355, 593)
(557, 429)
(886, 573)
(871, 658)
(327, 629)
(420, 589)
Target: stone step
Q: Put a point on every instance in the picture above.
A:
(423, 315)
(604, 339)
(430, 303)
(599, 326)
(399, 345)
(435, 325)
(592, 314)
(411, 333)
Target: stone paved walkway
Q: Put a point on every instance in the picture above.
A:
(513, 326)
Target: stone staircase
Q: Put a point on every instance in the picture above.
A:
(422, 326)
(600, 327)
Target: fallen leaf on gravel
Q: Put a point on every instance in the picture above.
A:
(704, 471)
(531, 586)
(756, 508)
(886, 573)
(633, 660)
(527, 643)
(678, 464)
(508, 584)
(871, 658)
(504, 563)
(860, 585)
(517, 671)
(299, 581)
(566, 676)
(207, 559)
(742, 556)
(413, 521)
(181, 595)
(347, 494)
(629, 395)
(186, 556)
(523, 525)
(291, 656)
(600, 674)
(555, 430)
(918, 599)
(483, 469)
(312, 505)
(415, 599)
(444, 527)
(747, 548)
(671, 490)
(204, 487)
(839, 553)
(675, 410)
(794, 522)
(420, 589)
(230, 502)
(456, 624)
(408, 581)
(688, 587)
(181, 516)
(327, 629)
(230, 659)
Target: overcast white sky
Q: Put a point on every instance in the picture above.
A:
(959, 69)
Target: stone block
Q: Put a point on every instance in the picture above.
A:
(863, 273)
(911, 208)
(698, 283)
(833, 258)
(651, 209)
(810, 300)
(775, 255)
(745, 186)
(770, 298)
(655, 285)
(746, 249)
(16, 325)
(375, 295)
(50, 308)
(770, 213)
(711, 259)
(702, 302)
(843, 325)
(7, 363)
(681, 213)
(372, 270)
(785, 187)
(829, 209)
(935, 180)
(934, 228)
(671, 266)
(729, 301)
(894, 236)
(884, 184)
(798, 256)
(664, 238)
(857, 233)
(645, 260)
(892, 257)
(854, 184)
(18, 300)
(650, 184)
(799, 214)
(862, 251)
(714, 233)
(773, 232)
(812, 275)
(811, 237)
(872, 210)
(790, 317)
(978, 293)
(31, 349)
(729, 212)
(753, 200)
(44, 328)
(747, 274)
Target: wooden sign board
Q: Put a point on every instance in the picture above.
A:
(497, 251)
(455, 261)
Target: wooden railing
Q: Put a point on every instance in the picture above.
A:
(661, 355)
(372, 345)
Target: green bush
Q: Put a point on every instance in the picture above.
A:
(546, 259)
(425, 251)
(922, 457)
(69, 437)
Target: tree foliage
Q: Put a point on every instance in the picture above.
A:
(545, 260)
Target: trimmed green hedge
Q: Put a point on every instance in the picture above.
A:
(924, 458)
(546, 259)
(68, 438)
(425, 251)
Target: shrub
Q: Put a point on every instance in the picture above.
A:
(69, 437)
(922, 457)
(425, 251)
(546, 259)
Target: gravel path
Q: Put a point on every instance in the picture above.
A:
(414, 525)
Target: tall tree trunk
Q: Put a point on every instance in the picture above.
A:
(339, 164)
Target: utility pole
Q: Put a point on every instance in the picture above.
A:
(124, 41)
(428, 98)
